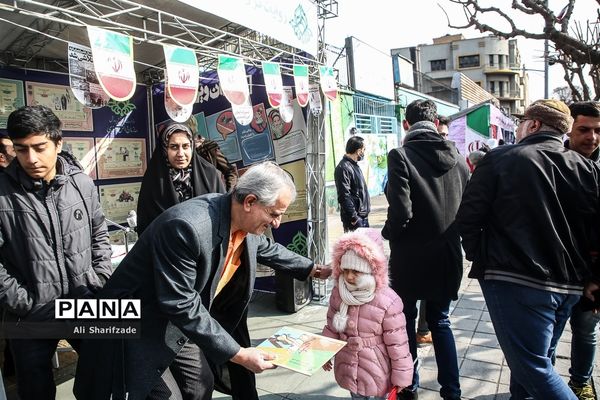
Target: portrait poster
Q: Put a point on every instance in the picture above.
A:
(61, 100)
(299, 350)
(298, 210)
(221, 128)
(255, 139)
(289, 138)
(121, 158)
(118, 200)
(11, 98)
(84, 150)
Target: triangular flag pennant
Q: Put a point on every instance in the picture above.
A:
(113, 61)
(82, 77)
(328, 83)
(301, 83)
(287, 108)
(314, 99)
(182, 74)
(232, 76)
(273, 82)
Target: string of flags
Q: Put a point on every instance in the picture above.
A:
(105, 70)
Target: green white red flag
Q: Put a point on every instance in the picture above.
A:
(328, 82)
(273, 82)
(182, 74)
(232, 76)
(113, 62)
(301, 83)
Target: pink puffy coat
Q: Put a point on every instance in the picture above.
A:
(377, 355)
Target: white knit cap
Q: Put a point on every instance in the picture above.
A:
(351, 260)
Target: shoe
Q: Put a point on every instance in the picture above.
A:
(407, 395)
(423, 340)
(583, 392)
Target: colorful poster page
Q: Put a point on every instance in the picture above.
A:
(289, 138)
(118, 200)
(121, 158)
(11, 98)
(221, 128)
(84, 150)
(82, 77)
(299, 350)
(255, 139)
(298, 210)
(61, 100)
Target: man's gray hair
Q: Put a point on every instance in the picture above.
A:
(266, 181)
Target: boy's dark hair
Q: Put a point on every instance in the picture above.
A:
(354, 144)
(585, 108)
(443, 120)
(421, 110)
(34, 119)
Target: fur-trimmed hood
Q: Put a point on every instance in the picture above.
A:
(368, 244)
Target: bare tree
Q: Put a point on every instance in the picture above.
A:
(577, 45)
(565, 94)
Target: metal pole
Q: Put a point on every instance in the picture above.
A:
(546, 94)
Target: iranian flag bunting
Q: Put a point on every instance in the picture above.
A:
(301, 83)
(113, 61)
(273, 82)
(182, 74)
(328, 83)
(232, 76)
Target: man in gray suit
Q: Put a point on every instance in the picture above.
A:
(194, 269)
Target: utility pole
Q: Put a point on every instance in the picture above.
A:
(546, 66)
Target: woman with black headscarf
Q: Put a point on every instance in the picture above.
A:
(175, 174)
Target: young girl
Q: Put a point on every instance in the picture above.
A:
(366, 313)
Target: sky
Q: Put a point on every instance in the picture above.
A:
(387, 24)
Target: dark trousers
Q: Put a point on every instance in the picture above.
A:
(33, 365)
(362, 223)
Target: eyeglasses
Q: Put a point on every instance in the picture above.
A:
(523, 120)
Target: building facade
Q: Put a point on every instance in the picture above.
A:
(492, 62)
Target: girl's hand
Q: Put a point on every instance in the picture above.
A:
(327, 366)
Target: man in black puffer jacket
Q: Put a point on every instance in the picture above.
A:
(53, 241)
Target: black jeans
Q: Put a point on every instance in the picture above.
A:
(33, 365)
(362, 223)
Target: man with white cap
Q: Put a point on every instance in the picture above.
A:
(529, 222)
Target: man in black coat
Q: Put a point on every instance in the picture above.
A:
(352, 192)
(427, 177)
(193, 270)
(529, 220)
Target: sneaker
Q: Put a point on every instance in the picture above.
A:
(423, 340)
(583, 392)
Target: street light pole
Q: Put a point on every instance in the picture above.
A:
(546, 94)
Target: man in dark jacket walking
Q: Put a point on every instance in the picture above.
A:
(351, 187)
(427, 176)
(529, 220)
(53, 241)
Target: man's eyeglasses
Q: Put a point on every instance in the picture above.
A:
(520, 120)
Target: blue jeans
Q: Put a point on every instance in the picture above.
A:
(528, 323)
(584, 325)
(443, 345)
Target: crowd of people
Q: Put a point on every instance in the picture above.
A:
(528, 218)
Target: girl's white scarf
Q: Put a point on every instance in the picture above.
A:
(352, 295)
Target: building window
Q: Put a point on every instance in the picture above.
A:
(468, 61)
(438, 65)
(492, 87)
(491, 60)
(501, 88)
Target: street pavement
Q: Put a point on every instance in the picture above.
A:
(484, 374)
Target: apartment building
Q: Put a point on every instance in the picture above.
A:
(492, 62)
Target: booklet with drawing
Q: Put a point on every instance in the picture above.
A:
(299, 350)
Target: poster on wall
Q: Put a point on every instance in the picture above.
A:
(82, 77)
(118, 200)
(61, 100)
(11, 98)
(255, 139)
(83, 149)
(222, 129)
(121, 158)
(374, 166)
(289, 138)
(298, 210)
